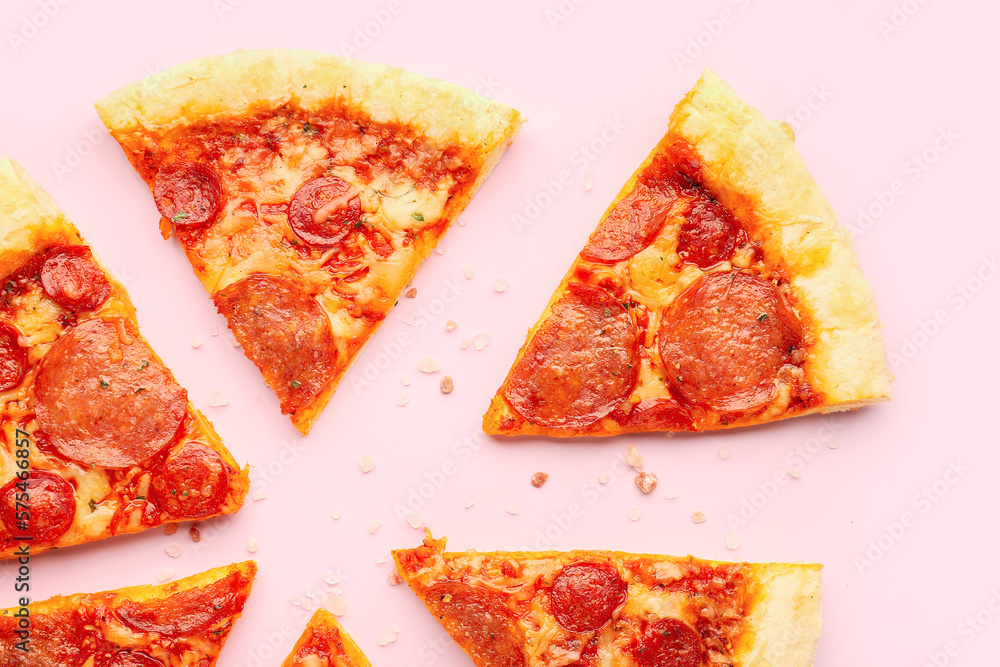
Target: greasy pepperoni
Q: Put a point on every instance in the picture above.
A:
(724, 340)
(127, 659)
(581, 363)
(72, 278)
(51, 506)
(324, 210)
(659, 414)
(670, 642)
(586, 595)
(285, 332)
(632, 224)
(188, 193)
(13, 358)
(103, 398)
(709, 234)
(480, 622)
(192, 482)
(188, 611)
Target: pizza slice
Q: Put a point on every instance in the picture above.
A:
(98, 438)
(589, 608)
(325, 644)
(306, 190)
(718, 290)
(180, 624)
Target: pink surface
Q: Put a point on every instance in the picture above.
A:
(894, 105)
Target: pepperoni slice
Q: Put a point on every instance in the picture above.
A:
(104, 399)
(586, 595)
(670, 642)
(632, 224)
(709, 234)
(581, 363)
(13, 358)
(192, 482)
(480, 622)
(724, 339)
(188, 193)
(188, 611)
(285, 332)
(324, 210)
(51, 506)
(127, 659)
(72, 278)
(659, 414)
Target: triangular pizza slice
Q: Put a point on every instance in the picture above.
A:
(185, 622)
(306, 190)
(325, 644)
(718, 290)
(590, 608)
(98, 438)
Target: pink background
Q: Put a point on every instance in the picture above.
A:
(869, 87)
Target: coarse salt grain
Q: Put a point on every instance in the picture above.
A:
(428, 365)
(165, 575)
(380, 560)
(195, 343)
(403, 399)
(646, 481)
(311, 592)
(335, 514)
(539, 478)
(375, 525)
(447, 384)
(174, 550)
(439, 250)
(794, 473)
(405, 380)
(214, 330)
(335, 604)
(260, 495)
(588, 182)
(409, 319)
(450, 325)
(634, 513)
(415, 519)
(252, 546)
(394, 579)
(833, 443)
(633, 458)
(513, 510)
(604, 478)
(468, 271)
(216, 398)
(732, 540)
(481, 340)
(469, 502)
(724, 452)
(331, 577)
(500, 285)
(698, 516)
(386, 637)
(671, 495)
(367, 463)
(464, 344)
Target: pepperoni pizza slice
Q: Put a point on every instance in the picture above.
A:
(180, 624)
(589, 608)
(717, 291)
(98, 438)
(306, 190)
(325, 644)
